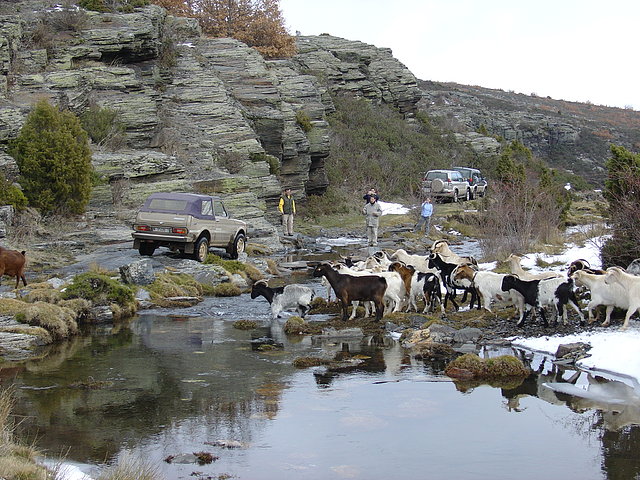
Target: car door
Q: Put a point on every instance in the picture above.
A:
(225, 229)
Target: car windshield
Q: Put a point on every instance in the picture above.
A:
(170, 205)
(465, 172)
(434, 175)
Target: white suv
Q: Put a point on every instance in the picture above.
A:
(446, 184)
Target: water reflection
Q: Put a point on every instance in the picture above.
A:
(178, 384)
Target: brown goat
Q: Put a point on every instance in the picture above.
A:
(406, 273)
(12, 264)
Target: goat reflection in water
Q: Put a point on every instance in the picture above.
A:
(618, 402)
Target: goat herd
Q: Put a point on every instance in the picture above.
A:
(397, 281)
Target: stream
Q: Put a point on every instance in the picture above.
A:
(174, 383)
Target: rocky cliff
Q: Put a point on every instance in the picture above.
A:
(200, 114)
(570, 135)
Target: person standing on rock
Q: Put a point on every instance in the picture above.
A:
(425, 217)
(372, 211)
(287, 207)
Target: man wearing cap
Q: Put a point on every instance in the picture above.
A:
(287, 207)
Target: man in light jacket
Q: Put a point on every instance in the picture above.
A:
(373, 212)
(287, 207)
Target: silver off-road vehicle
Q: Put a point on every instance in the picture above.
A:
(440, 184)
(188, 223)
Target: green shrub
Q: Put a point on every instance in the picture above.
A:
(103, 125)
(303, 120)
(95, 5)
(53, 155)
(333, 202)
(10, 194)
(273, 162)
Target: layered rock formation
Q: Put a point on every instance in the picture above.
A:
(569, 135)
(200, 114)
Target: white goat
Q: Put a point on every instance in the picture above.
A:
(441, 247)
(601, 293)
(556, 291)
(516, 269)
(289, 297)
(489, 287)
(630, 298)
(419, 262)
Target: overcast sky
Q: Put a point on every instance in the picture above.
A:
(579, 50)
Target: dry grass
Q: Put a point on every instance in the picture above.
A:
(130, 468)
(16, 461)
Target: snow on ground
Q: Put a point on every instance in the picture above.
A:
(612, 349)
(393, 208)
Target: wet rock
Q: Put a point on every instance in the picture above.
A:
(466, 348)
(137, 273)
(56, 283)
(343, 333)
(184, 301)
(239, 281)
(467, 334)
(572, 350)
(265, 344)
(441, 333)
(101, 314)
(231, 444)
(434, 350)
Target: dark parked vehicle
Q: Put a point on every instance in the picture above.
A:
(477, 183)
(189, 223)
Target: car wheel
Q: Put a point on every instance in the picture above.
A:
(202, 249)
(473, 194)
(147, 249)
(454, 199)
(467, 195)
(238, 246)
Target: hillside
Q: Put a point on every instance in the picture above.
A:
(570, 135)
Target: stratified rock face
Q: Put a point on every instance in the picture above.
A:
(213, 116)
(359, 69)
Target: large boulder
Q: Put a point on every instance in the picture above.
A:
(138, 273)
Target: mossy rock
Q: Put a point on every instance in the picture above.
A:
(168, 285)
(434, 350)
(471, 366)
(297, 326)
(307, 362)
(256, 249)
(11, 306)
(100, 289)
(245, 324)
(48, 295)
(57, 320)
(226, 290)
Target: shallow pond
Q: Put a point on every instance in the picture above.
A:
(170, 386)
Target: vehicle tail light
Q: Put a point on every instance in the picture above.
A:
(180, 231)
(142, 228)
